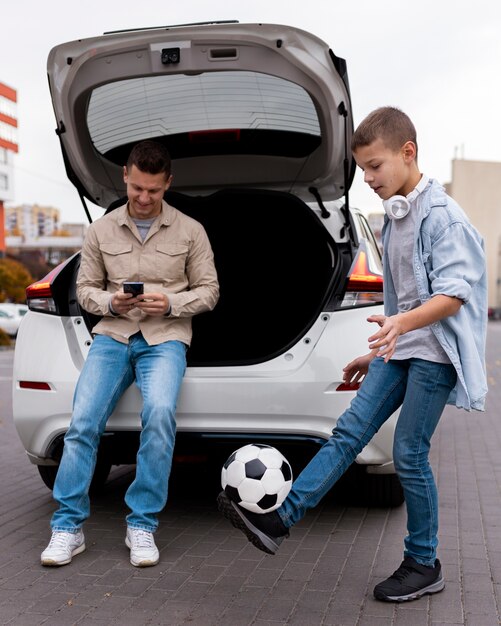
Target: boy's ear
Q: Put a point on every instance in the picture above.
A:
(409, 151)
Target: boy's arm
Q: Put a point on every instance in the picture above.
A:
(435, 309)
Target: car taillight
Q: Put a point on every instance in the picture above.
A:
(365, 279)
(39, 295)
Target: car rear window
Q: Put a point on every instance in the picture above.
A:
(233, 112)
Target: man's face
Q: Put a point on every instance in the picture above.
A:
(145, 192)
(386, 171)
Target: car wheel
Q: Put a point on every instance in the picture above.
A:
(383, 490)
(359, 488)
(48, 474)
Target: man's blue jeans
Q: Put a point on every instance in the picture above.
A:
(109, 370)
(421, 388)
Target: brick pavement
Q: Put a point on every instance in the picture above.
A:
(208, 575)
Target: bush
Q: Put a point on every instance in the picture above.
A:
(14, 278)
(5, 340)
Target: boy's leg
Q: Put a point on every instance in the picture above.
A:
(380, 394)
(428, 388)
(105, 376)
(159, 374)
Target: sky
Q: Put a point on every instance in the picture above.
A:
(438, 60)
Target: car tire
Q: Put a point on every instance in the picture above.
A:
(359, 488)
(383, 490)
(48, 474)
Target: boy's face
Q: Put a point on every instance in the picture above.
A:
(386, 171)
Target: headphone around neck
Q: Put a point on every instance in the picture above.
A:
(397, 207)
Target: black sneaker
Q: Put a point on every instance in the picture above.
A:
(410, 582)
(266, 531)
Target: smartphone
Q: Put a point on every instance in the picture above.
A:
(134, 288)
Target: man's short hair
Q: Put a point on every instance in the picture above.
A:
(151, 157)
(390, 124)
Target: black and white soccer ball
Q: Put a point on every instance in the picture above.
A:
(257, 477)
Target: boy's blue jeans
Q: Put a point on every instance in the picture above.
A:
(421, 388)
(109, 370)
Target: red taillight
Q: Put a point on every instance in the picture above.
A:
(365, 279)
(42, 288)
(361, 278)
(33, 384)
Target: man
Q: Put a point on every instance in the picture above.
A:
(140, 337)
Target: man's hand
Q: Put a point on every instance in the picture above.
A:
(356, 370)
(384, 341)
(155, 304)
(122, 303)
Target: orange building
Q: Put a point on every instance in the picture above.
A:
(8, 146)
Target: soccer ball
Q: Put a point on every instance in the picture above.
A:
(257, 477)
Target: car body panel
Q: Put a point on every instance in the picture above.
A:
(278, 398)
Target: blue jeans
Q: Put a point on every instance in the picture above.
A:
(109, 370)
(421, 388)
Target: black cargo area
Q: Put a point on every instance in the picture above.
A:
(275, 262)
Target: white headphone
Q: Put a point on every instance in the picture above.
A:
(397, 207)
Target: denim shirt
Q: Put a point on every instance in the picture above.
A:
(449, 259)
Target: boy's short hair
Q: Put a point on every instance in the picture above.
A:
(151, 157)
(390, 124)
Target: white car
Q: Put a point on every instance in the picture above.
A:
(258, 121)
(11, 316)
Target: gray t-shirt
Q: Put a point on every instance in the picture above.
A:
(420, 343)
(143, 226)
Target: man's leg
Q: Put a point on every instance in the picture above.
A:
(428, 388)
(106, 375)
(159, 374)
(380, 394)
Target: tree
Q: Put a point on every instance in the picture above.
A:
(14, 278)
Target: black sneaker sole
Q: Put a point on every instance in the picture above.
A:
(435, 587)
(237, 518)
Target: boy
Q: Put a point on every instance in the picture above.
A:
(428, 351)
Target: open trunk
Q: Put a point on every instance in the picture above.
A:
(276, 264)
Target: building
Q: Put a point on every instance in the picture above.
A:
(32, 228)
(8, 147)
(31, 221)
(475, 186)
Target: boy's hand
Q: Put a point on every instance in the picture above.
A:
(356, 370)
(385, 340)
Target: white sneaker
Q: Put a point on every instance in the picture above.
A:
(143, 551)
(62, 547)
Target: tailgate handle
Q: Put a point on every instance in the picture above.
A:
(222, 54)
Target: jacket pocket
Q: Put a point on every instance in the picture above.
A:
(117, 259)
(171, 262)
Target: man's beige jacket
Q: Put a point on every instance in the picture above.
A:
(175, 258)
